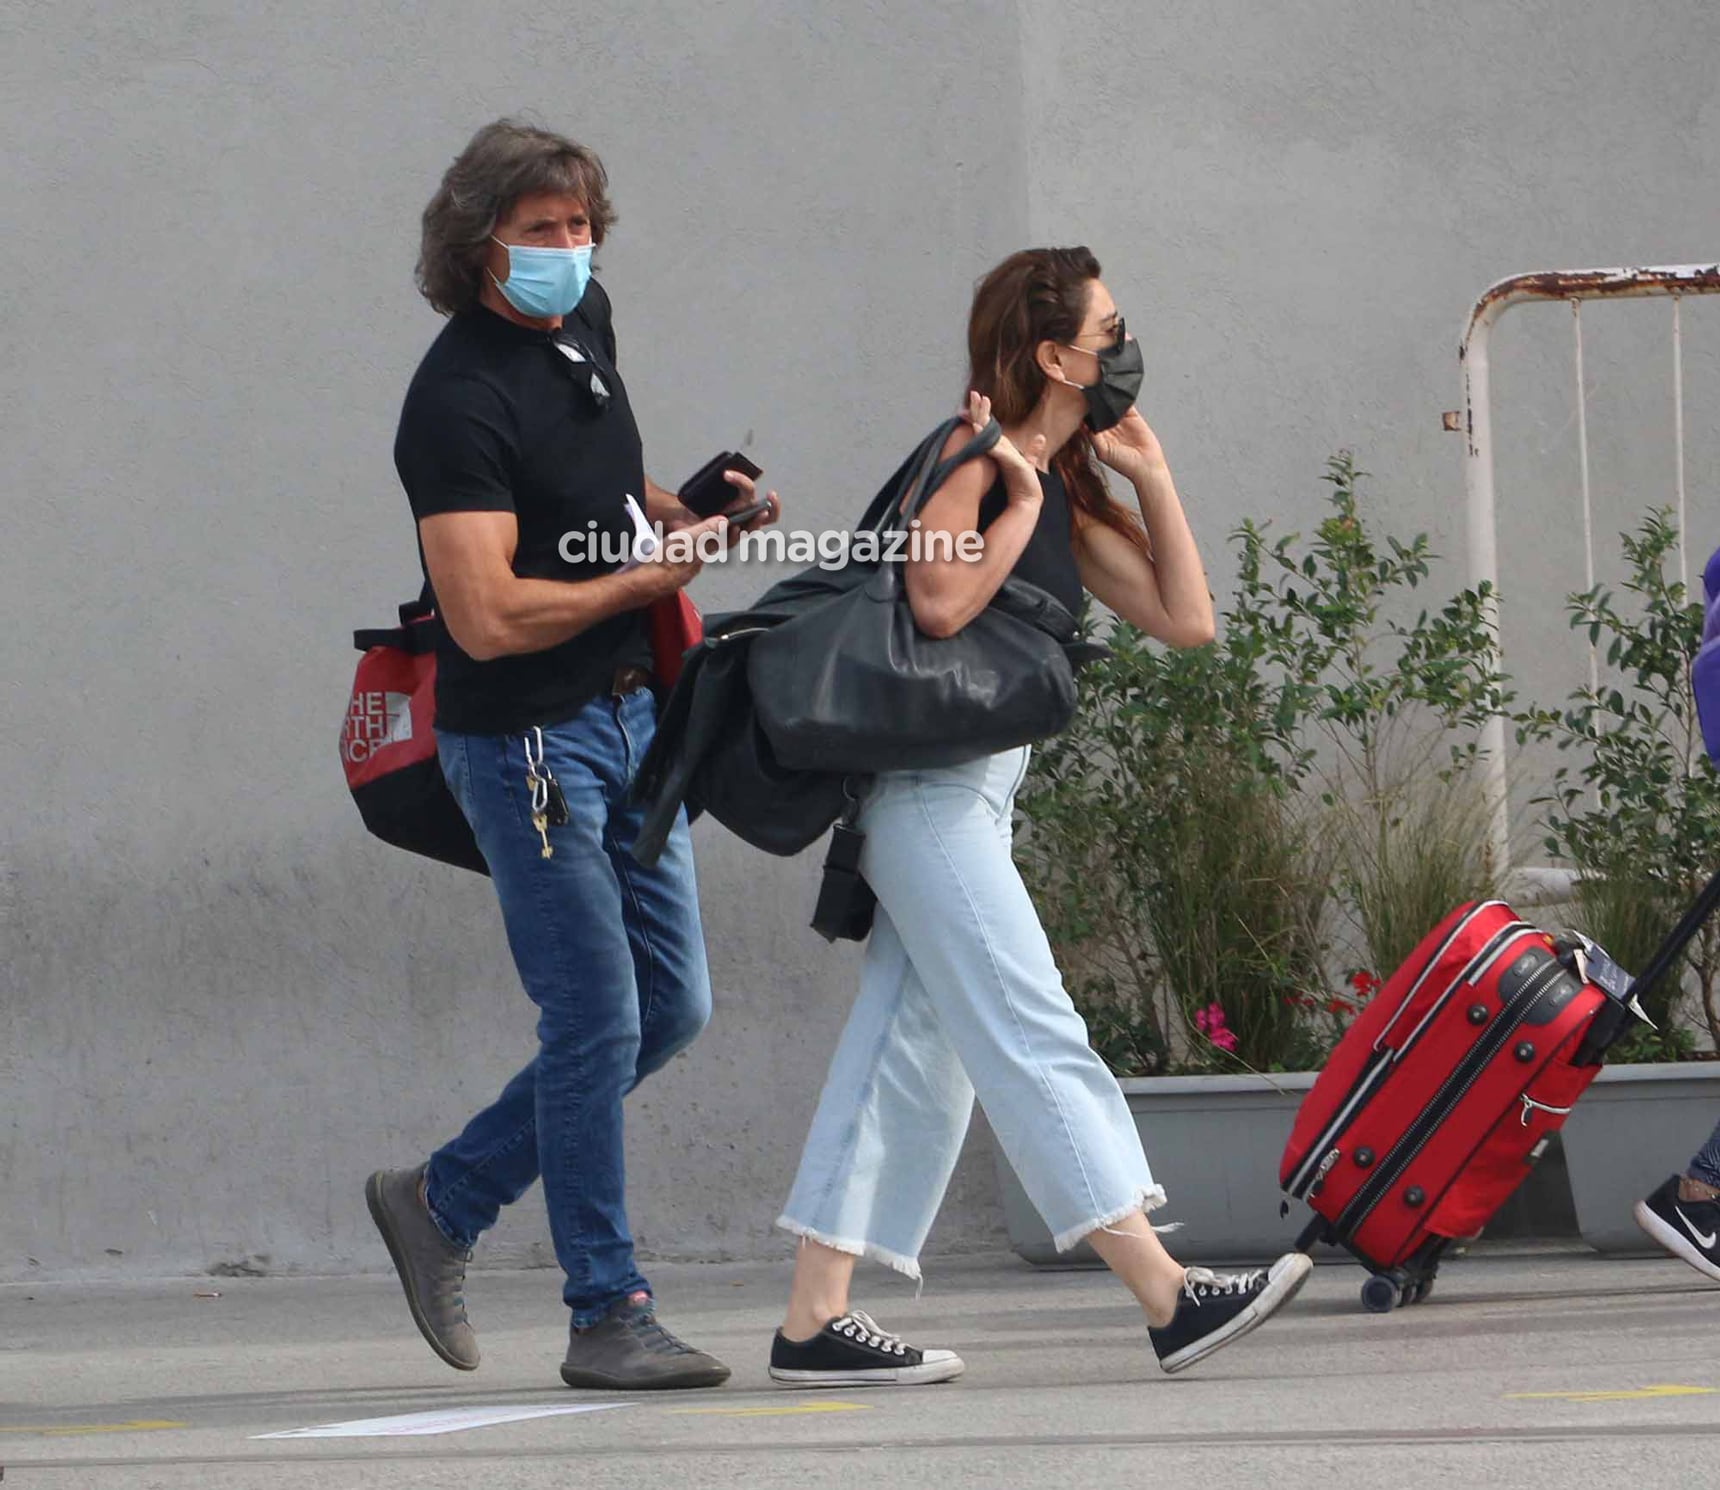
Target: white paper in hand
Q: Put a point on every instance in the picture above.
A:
(645, 543)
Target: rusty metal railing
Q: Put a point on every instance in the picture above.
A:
(1573, 286)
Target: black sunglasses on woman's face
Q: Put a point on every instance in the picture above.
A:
(1116, 333)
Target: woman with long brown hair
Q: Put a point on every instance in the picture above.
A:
(960, 993)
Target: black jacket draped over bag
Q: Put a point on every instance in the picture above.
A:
(786, 708)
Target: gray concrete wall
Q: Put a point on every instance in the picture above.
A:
(220, 1004)
(1297, 205)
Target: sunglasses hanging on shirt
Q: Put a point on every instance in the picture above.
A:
(579, 362)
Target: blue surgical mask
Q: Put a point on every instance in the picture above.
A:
(544, 282)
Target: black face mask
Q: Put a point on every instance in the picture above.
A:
(1121, 372)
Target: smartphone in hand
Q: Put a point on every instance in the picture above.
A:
(748, 513)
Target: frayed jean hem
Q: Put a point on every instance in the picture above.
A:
(1145, 1200)
(908, 1267)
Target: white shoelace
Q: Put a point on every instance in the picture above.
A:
(1197, 1281)
(860, 1326)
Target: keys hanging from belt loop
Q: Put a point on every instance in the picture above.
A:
(538, 782)
(549, 799)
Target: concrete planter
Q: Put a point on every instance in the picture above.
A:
(1633, 1127)
(1214, 1143)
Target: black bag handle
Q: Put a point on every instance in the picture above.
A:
(984, 441)
(927, 473)
(412, 635)
(913, 473)
(416, 639)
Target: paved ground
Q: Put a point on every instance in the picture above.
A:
(1534, 1369)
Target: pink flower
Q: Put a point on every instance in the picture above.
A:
(1210, 1022)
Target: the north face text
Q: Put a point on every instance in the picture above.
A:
(375, 719)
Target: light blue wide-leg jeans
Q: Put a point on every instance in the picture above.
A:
(959, 995)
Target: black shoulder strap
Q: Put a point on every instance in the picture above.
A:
(886, 496)
(923, 473)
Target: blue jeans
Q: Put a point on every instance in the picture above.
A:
(959, 994)
(1706, 1165)
(612, 955)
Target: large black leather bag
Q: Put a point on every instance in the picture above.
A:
(709, 752)
(853, 684)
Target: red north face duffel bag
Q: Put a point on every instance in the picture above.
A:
(388, 743)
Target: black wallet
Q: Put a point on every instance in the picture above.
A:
(706, 493)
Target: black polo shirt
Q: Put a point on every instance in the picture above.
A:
(500, 419)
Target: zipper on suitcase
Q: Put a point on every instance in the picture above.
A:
(1324, 1170)
(1433, 962)
(1304, 1176)
(1456, 1085)
(1531, 1107)
(1314, 1167)
(1490, 952)
(1474, 970)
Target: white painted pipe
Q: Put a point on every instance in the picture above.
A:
(1482, 521)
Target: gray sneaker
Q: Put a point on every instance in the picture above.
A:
(432, 1270)
(631, 1352)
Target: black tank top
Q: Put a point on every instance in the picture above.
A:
(1049, 558)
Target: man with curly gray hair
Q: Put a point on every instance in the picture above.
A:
(516, 432)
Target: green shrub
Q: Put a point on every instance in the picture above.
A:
(1237, 909)
(1211, 813)
(1167, 863)
(1413, 855)
(1637, 813)
(1391, 711)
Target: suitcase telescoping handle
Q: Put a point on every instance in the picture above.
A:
(1623, 1009)
(1670, 950)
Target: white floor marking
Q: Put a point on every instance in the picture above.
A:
(444, 1420)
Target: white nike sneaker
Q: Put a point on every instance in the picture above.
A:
(1688, 1229)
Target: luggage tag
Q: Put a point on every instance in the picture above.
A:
(1592, 964)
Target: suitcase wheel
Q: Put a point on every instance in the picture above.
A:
(1380, 1294)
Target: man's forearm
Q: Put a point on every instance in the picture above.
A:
(531, 615)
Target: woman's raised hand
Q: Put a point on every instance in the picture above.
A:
(1130, 448)
(1020, 469)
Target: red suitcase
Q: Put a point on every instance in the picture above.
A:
(1446, 1089)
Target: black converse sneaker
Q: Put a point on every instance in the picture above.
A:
(1688, 1229)
(853, 1352)
(1216, 1308)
